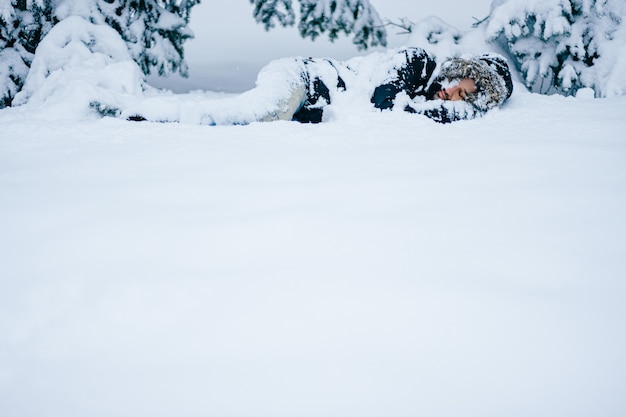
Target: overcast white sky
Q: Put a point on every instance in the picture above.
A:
(230, 48)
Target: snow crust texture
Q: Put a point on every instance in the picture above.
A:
(376, 264)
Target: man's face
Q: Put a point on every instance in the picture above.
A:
(457, 92)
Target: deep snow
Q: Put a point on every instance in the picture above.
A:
(376, 265)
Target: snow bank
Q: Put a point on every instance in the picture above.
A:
(378, 264)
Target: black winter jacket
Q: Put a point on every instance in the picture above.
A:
(409, 70)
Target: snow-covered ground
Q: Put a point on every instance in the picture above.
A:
(376, 265)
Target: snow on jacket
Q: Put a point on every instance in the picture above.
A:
(408, 76)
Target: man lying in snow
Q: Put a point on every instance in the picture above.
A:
(484, 82)
(408, 78)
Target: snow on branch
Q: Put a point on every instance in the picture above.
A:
(561, 46)
(332, 17)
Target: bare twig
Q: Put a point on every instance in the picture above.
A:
(405, 24)
(479, 22)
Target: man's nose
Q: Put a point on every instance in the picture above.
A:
(452, 91)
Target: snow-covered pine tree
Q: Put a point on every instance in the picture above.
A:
(22, 25)
(560, 46)
(356, 17)
(154, 31)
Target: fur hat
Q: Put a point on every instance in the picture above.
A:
(491, 74)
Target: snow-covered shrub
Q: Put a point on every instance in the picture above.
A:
(560, 46)
(356, 17)
(79, 68)
(154, 32)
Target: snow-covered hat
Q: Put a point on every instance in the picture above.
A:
(491, 74)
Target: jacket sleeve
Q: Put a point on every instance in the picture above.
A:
(444, 111)
(411, 77)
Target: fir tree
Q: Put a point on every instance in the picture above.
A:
(560, 46)
(356, 17)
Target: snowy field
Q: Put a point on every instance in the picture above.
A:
(376, 265)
